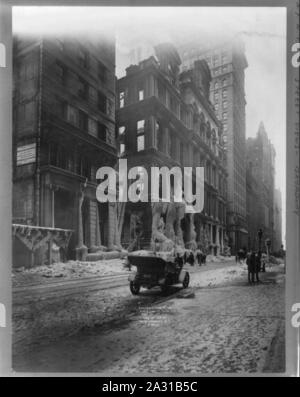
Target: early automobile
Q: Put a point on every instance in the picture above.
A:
(156, 269)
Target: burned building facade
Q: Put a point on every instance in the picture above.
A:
(227, 63)
(165, 118)
(63, 131)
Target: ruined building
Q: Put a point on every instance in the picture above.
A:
(227, 63)
(63, 131)
(165, 118)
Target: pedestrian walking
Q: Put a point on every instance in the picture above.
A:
(179, 260)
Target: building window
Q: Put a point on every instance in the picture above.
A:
(224, 82)
(141, 92)
(83, 58)
(121, 99)
(122, 148)
(61, 158)
(101, 102)
(224, 57)
(86, 168)
(93, 127)
(109, 107)
(140, 135)
(93, 94)
(102, 131)
(72, 115)
(215, 60)
(159, 137)
(140, 142)
(225, 127)
(83, 120)
(141, 95)
(225, 104)
(216, 96)
(224, 115)
(140, 126)
(102, 73)
(161, 92)
(216, 85)
(27, 71)
(121, 130)
(216, 106)
(82, 89)
(224, 93)
(26, 111)
(60, 44)
(60, 72)
(224, 69)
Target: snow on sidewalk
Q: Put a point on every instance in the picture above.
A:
(68, 270)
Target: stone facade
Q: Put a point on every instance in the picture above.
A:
(63, 131)
(165, 118)
(227, 63)
(277, 220)
(260, 184)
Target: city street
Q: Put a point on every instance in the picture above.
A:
(148, 172)
(219, 324)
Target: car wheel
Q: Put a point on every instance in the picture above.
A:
(134, 288)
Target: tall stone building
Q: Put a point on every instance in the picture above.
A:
(254, 209)
(63, 131)
(227, 63)
(277, 220)
(164, 118)
(260, 174)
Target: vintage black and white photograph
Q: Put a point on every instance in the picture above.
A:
(149, 190)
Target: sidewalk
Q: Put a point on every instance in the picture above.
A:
(76, 270)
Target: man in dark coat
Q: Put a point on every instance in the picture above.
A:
(257, 265)
(251, 264)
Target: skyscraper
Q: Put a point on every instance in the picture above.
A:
(260, 168)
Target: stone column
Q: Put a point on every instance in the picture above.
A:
(81, 249)
(190, 232)
(114, 237)
(152, 85)
(111, 226)
(217, 239)
(52, 206)
(222, 239)
(94, 227)
(211, 235)
(98, 231)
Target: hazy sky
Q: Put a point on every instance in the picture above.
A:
(263, 30)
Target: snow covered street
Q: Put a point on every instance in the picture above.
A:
(223, 325)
